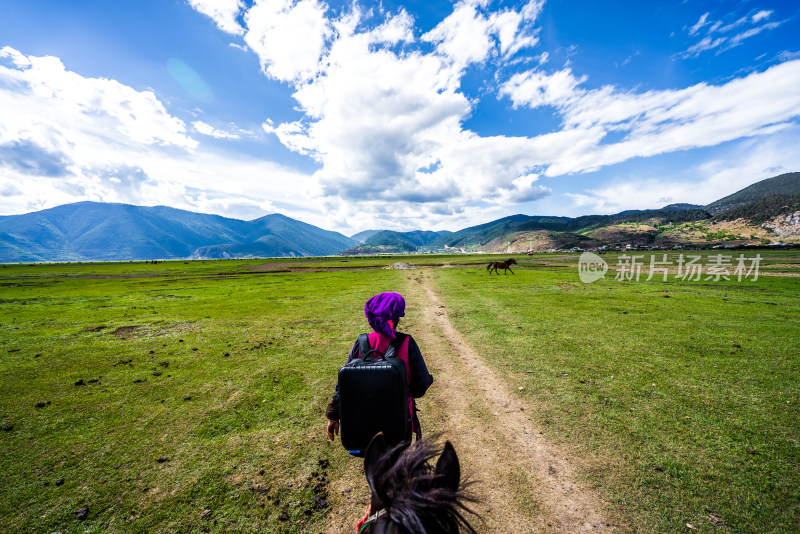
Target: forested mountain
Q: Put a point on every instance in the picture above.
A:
(784, 184)
(99, 231)
(383, 241)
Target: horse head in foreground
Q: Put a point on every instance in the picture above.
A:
(501, 265)
(408, 495)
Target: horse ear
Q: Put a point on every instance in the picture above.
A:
(448, 470)
(375, 449)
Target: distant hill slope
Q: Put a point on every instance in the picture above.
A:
(389, 242)
(305, 239)
(508, 228)
(100, 231)
(785, 184)
(277, 235)
(417, 238)
(762, 209)
(360, 237)
(682, 207)
(483, 233)
(395, 240)
(670, 207)
(267, 246)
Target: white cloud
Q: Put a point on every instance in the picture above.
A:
(206, 129)
(532, 10)
(514, 31)
(200, 181)
(66, 138)
(60, 111)
(468, 35)
(8, 189)
(721, 43)
(222, 12)
(705, 44)
(658, 122)
(737, 39)
(288, 36)
(761, 15)
(376, 117)
(733, 25)
(397, 28)
(786, 55)
(386, 124)
(745, 163)
(523, 190)
(700, 23)
(379, 115)
(463, 36)
(536, 88)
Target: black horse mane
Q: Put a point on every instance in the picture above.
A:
(415, 500)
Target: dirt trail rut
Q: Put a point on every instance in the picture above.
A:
(524, 484)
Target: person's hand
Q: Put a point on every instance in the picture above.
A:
(333, 429)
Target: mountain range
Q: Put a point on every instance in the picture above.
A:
(99, 231)
(93, 231)
(745, 217)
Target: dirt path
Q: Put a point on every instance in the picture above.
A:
(525, 484)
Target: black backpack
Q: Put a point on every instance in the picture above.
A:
(373, 396)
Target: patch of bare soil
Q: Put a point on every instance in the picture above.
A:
(273, 266)
(125, 332)
(450, 265)
(290, 267)
(779, 273)
(401, 265)
(332, 269)
(161, 329)
(118, 276)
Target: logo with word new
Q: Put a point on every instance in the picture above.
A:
(591, 267)
(690, 267)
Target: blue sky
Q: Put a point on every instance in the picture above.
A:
(401, 115)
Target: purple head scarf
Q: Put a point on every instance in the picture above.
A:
(381, 309)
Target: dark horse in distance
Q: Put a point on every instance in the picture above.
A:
(408, 495)
(501, 265)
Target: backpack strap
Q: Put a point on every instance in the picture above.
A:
(391, 350)
(394, 345)
(363, 345)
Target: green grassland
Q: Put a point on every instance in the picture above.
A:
(256, 352)
(681, 397)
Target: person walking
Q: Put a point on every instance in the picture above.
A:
(383, 312)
